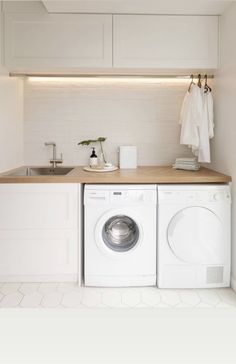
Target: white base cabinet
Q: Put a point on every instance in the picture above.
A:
(40, 232)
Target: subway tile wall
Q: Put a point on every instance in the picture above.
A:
(128, 112)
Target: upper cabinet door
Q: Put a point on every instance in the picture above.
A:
(57, 42)
(155, 41)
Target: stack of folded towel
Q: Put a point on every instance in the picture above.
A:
(190, 164)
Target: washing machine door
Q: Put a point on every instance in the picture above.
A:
(195, 235)
(120, 233)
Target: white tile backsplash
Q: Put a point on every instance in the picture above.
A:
(143, 114)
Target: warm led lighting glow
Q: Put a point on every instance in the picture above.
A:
(112, 80)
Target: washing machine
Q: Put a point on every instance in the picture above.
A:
(120, 235)
(193, 236)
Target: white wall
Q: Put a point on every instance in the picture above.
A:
(224, 144)
(11, 123)
(11, 117)
(139, 113)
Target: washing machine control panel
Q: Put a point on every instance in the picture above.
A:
(121, 197)
(194, 197)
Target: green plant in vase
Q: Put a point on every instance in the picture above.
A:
(99, 140)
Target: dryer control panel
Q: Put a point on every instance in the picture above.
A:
(194, 196)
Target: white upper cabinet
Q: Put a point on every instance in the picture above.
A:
(72, 42)
(38, 42)
(153, 41)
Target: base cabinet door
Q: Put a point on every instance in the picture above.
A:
(38, 206)
(38, 255)
(165, 42)
(40, 232)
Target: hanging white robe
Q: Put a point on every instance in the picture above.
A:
(206, 128)
(190, 117)
(210, 107)
(196, 119)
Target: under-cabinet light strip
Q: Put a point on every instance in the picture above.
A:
(107, 81)
(118, 76)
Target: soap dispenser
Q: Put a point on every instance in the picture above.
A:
(93, 161)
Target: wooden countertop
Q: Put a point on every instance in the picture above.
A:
(140, 175)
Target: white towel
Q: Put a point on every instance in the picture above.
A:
(186, 160)
(190, 164)
(186, 167)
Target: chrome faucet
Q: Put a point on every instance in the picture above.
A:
(54, 161)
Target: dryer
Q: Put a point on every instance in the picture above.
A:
(120, 235)
(194, 236)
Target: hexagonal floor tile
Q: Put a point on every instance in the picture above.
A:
(65, 287)
(163, 305)
(11, 300)
(111, 298)
(31, 300)
(227, 295)
(209, 296)
(170, 297)
(52, 299)
(224, 305)
(141, 305)
(204, 305)
(151, 296)
(10, 287)
(47, 287)
(131, 297)
(189, 297)
(101, 305)
(28, 288)
(183, 305)
(72, 299)
(91, 297)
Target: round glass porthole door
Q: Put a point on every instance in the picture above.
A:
(195, 236)
(120, 233)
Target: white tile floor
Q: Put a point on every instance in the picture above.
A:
(69, 295)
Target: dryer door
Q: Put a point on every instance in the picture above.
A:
(195, 236)
(120, 233)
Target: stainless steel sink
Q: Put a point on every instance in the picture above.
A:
(41, 171)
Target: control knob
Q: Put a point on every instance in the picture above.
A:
(216, 196)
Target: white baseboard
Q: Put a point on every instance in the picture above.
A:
(41, 278)
(233, 284)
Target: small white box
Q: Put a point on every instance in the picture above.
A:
(128, 157)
